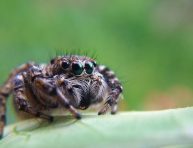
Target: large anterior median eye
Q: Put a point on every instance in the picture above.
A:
(77, 68)
(89, 67)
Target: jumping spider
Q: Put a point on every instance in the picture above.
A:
(70, 81)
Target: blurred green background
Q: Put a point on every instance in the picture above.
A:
(149, 44)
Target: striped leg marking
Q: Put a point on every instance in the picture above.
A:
(116, 89)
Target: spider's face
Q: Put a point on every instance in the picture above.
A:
(94, 89)
(82, 71)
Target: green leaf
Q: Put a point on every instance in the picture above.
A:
(171, 128)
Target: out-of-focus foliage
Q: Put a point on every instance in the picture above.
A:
(131, 129)
(148, 43)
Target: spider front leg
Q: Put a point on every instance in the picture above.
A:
(50, 87)
(67, 105)
(22, 102)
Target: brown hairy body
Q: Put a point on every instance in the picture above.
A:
(71, 81)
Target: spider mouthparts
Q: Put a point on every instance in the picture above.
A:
(84, 103)
(82, 107)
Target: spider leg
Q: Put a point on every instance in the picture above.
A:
(114, 108)
(67, 105)
(22, 101)
(49, 87)
(104, 109)
(112, 102)
(116, 90)
(2, 113)
(5, 91)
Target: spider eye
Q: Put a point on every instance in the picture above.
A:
(94, 63)
(89, 67)
(65, 64)
(77, 68)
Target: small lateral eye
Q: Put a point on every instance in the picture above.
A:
(94, 63)
(52, 61)
(89, 67)
(65, 64)
(77, 68)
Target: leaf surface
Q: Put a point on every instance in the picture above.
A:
(171, 128)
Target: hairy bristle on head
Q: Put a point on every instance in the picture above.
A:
(79, 52)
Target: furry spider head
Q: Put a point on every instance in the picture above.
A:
(86, 84)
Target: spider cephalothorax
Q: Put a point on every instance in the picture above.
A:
(70, 81)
